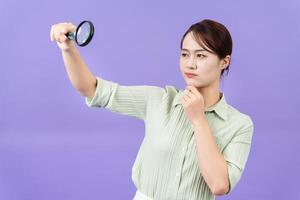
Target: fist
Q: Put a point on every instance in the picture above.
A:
(193, 104)
(58, 33)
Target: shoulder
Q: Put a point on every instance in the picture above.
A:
(163, 97)
(167, 91)
(240, 119)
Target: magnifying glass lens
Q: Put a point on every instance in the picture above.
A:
(83, 33)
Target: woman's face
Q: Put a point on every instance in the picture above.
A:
(194, 59)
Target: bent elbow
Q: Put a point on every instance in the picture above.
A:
(220, 189)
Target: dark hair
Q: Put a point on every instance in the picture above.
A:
(214, 35)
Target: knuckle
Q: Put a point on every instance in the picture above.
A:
(63, 29)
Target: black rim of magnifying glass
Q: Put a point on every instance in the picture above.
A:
(91, 33)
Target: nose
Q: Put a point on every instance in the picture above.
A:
(191, 63)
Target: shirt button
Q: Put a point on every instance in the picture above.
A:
(183, 149)
(177, 174)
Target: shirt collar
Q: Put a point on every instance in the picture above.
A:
(220, 107)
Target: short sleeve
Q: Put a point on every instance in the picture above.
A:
(125, 100)
(236, 154)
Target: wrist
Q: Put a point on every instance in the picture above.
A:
(200, 121)
(70, 49)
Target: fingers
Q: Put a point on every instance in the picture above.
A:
(58, 31)
(52, 33)
(188, 94)
(57, 34)
(62, 38)
(193, 90)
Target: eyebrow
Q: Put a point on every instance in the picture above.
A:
(197, 50)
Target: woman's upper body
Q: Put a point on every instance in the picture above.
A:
(166, 165)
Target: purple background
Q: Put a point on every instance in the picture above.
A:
(52, 146)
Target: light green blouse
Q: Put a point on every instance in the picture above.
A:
(166, 166)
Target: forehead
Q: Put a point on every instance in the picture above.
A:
(189, 42)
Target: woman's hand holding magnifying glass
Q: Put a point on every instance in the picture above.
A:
(58, 33)
(67, 34)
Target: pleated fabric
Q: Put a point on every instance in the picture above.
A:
(166, 166)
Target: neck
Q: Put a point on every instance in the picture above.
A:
(211, 94)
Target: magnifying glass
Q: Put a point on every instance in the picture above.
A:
(83, 34)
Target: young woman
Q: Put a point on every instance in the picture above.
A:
(196, 145)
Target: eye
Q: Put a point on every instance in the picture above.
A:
(200, 55)
(183, 54)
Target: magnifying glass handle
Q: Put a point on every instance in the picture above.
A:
(71, 35)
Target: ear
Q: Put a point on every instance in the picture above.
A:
(225, 62)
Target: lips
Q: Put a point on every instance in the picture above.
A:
(190, 74)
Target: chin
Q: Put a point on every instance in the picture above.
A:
(194, 83)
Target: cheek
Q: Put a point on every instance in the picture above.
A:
(207, 72)
(207, 67)
(181, 66)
